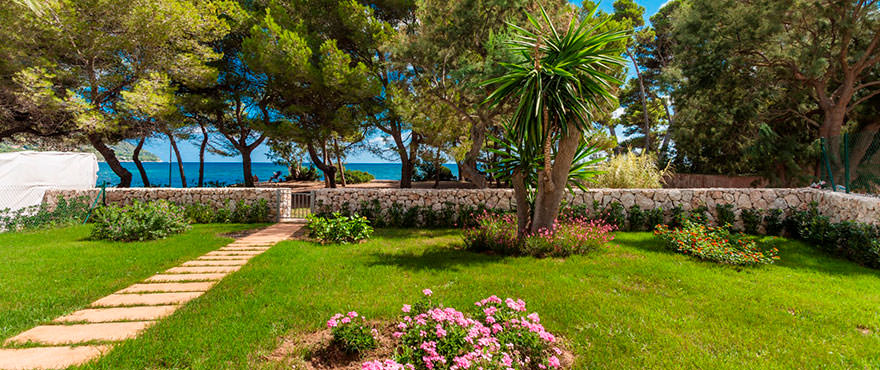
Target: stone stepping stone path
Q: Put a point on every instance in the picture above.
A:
(88, 333)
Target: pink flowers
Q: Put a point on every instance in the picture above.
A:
(427, 292)
(386, 365)
(351, 336)
(500, 336)
(568, 236)
(406, 308)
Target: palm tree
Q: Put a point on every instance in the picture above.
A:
(559, 80)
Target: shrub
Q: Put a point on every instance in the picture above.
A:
(653, 218)
(774, 222)
(427, 171)
(240, 212)
(351, 333)
(725, 214)
(355, 177)
(497, 233)
(631, 171)
(854, 241)
(716, 244)
(339, 229)
(679, 216)
(699, 215)
(499, 336)
(636, 218)
(751, 219)
(66, 212)
(138, 221)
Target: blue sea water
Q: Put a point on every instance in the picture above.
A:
(226, 173)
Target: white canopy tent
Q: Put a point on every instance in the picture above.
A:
(25, 176)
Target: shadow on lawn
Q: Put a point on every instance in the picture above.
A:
(446, 259)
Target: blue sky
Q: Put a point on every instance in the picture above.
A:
(190, 151)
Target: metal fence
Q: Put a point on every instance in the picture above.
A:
(300, 205)
(851, 162)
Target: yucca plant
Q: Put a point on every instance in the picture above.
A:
(560, 79)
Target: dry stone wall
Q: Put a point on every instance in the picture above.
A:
(278, 199)
(837, 206)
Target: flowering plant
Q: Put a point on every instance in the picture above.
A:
(500, 336)
(351, 332)
(715, 244)
(570, 235)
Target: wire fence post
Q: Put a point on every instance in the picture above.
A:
(828, 163)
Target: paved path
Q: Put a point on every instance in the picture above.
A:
(88, 333)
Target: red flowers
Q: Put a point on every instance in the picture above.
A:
(715, 244)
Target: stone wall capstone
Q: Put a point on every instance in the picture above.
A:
(836, 206)
(278, 199)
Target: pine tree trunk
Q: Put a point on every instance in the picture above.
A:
(246, 167)
(339, 163)
(111, 160)
(136, 157)
(328, 170)
(179, 160)
(202, 148)
(647, 124)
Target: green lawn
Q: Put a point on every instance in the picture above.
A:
(46, 274)
(634, 305)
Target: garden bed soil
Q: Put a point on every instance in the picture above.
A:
(316, 351)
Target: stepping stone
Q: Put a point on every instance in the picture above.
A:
(201, 269)
(186, 277)
(243, 248)
(224, 258)
(215, 263)
(139, 313)
(81, 333)
(48, 357)
(169, 287)
(150, 299)
(233, 253)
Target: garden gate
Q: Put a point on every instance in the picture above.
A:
(301, 204)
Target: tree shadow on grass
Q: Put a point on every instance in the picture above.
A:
(436, 259)
(399, 234)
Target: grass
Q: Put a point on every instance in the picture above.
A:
(634, 305)
(49, 273)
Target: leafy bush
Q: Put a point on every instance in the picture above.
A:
(636, 218)
(631, 171)
(497, 233)
(716, 244)
(351, 333)
(751, 219)
(240, 212)
(427, 171)
(500, 335)
(355, 177)
(774, 223)
(138, 221)
(339, 229)
(653, 218)
(854, 241)
(725, 214)
(66, 212)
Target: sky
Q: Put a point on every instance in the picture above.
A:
(189, 151)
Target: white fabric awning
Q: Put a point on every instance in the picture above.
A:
(25, 176)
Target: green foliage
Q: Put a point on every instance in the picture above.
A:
(138, 221)
(355, 177)
(637, 218)
(724, 214)
(352, 333)
(854, 241)
(427, 171)
(715, 244)
(339, 229)
(654, 217)
(751, 219)
(774, 222)
(699, 215)
(241, 212)
(570, 236)
(66, 212)
(631, 171)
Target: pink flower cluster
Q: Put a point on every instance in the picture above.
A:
(339, 319)
(501, 336)
(568, 236)
(386, 365)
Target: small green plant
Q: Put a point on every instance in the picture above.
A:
(355, 177)
(774, 222)
(240, 212)
(679, 216)
(339, 229)
(631, 171)
(395, 215)
(699, 215)
(66, 212)
(636, 218)
(654, 217)
(716, 244)
(138, 221)
(351, 333)
(725, 214)
(751, 219)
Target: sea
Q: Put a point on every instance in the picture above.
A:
(228, 173)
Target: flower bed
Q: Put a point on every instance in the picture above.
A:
(716, 244)
(576, 235)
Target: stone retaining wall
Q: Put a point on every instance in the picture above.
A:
(278, 199)
(837, 206)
